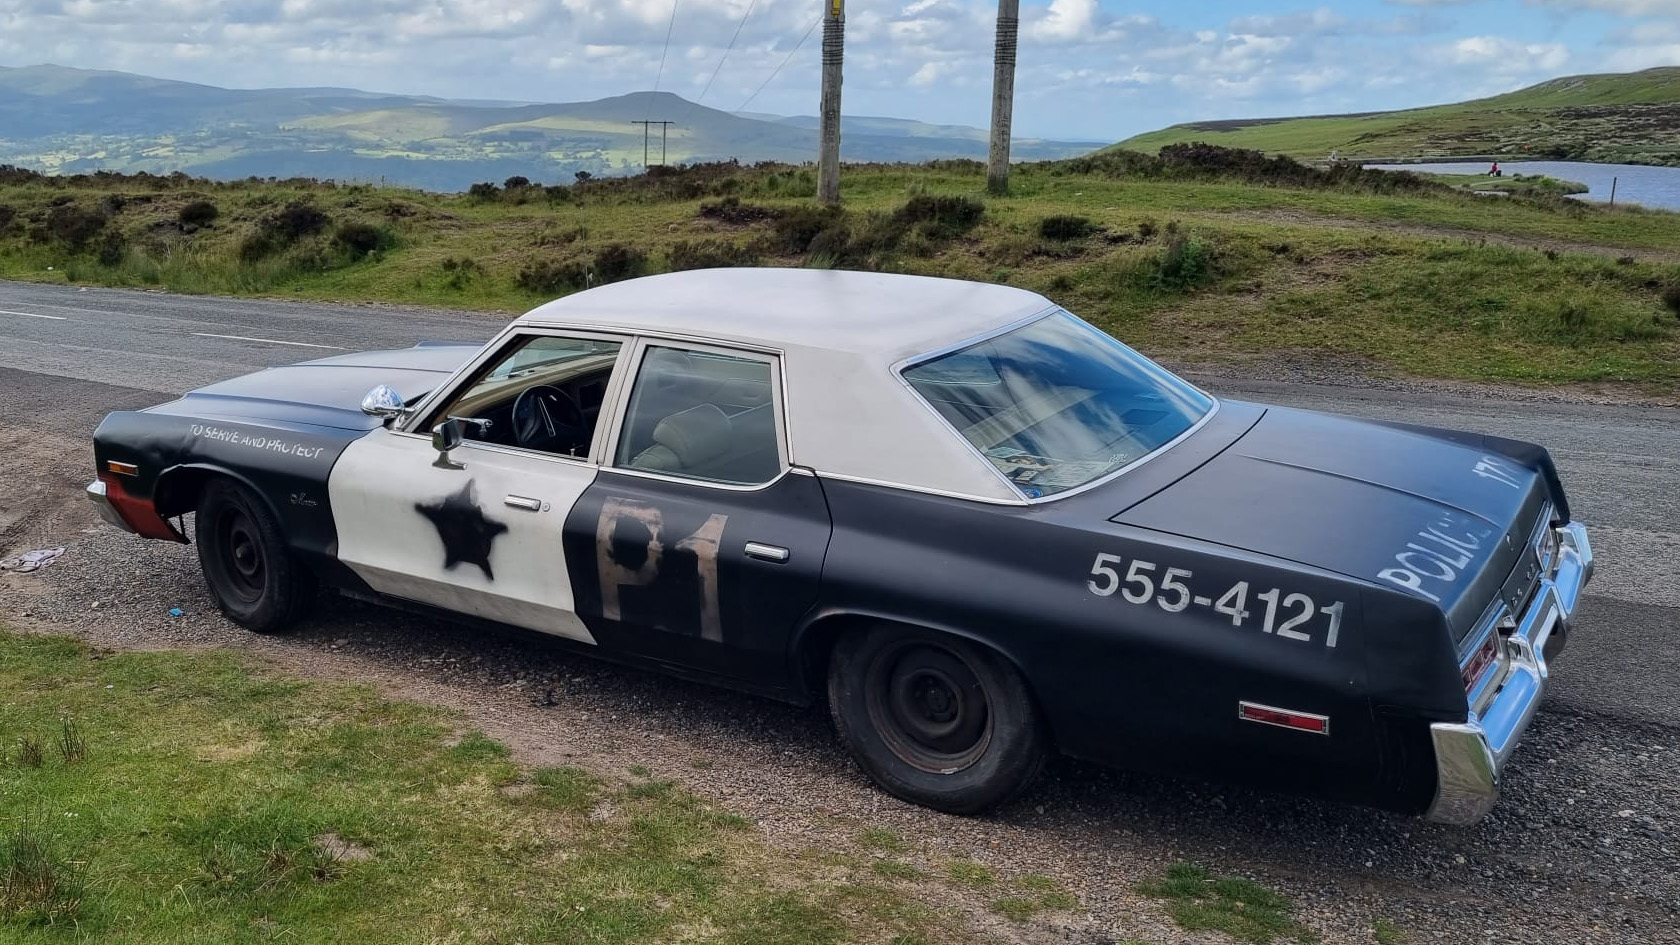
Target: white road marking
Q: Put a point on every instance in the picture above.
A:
(56, 318)
(268, 341)
(1203, 601)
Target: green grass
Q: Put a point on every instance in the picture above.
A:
(1207, 269)
(204, 800)
(882, 839)
(1388, 932)
(1241, 908)
(971, 874)
(1034, 894)
(1616, 118)
(895, 869)
(1514, 182)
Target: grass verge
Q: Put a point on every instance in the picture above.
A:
(193, 798)
(1212, 256)
(1241, 908)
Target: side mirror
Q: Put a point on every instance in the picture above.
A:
(383, 402)
(445, 437)
(451, 433)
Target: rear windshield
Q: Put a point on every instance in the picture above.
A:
(1057, 404)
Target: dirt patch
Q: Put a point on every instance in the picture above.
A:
(341, 849)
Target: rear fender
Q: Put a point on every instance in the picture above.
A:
(814, 641)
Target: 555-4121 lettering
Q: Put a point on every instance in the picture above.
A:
(1293, 616)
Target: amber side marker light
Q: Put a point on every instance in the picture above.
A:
(1283, 718)
(122, 469)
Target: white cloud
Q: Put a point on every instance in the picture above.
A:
(1085, 68)
(1628, 8)
(1504, 56)
(1065, 21)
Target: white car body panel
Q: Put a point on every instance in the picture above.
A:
(398, 552)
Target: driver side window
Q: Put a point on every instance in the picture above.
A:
(543, 393)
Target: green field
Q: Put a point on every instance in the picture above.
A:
(1228, 259)
(1625, 118)
(173, 798)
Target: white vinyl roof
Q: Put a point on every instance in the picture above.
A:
(840, 335)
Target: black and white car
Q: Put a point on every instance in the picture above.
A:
(982, 530)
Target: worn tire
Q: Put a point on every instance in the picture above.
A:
(934, 719)
(251, 572)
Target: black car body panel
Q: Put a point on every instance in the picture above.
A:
(1332, 567)
(278, 431)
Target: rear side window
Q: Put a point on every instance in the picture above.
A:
(702, 415)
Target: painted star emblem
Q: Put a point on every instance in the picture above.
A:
(466, 533)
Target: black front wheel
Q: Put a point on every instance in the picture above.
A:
(243, 553)
(934, 719)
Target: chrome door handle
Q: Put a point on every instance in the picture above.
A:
(523, 502)
(763, 552)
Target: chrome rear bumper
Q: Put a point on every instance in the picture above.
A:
(97, 494)
(1469, 755)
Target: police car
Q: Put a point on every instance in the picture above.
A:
(981, 530)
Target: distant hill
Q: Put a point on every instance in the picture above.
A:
(1625, 118)
(70, 121)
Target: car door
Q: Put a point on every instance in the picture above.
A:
(699, 545)
(481, 532)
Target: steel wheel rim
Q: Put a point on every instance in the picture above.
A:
(245, 565)
(929, 706)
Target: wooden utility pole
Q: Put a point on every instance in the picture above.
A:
(833, 52)
(1003, 95)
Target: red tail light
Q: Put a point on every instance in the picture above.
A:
(1480, 662)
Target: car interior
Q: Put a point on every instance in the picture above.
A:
(694, 414)
(703, 415)
(546, 395)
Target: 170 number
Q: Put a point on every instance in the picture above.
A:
(1144, 581)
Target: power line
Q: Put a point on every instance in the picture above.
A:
(726, 50)
(661, 73)
(784, 62)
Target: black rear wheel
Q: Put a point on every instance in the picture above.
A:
(246, 562)
(935, 719)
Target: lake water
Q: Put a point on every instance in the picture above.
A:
(1655, 187)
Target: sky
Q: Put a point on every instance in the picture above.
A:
(1089, 69)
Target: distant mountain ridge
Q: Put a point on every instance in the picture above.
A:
(64, 120)
(1631, 118)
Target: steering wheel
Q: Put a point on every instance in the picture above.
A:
(547, 418)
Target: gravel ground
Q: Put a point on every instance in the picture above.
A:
(1584, 847)
(1600, 800)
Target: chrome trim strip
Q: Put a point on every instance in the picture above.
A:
(621, 410)
(1164, 447)
(1019, 503)
(446, 388)
(693, 481)
(1470, 755)
(1021, 322)
(97, 494)
(525, 321)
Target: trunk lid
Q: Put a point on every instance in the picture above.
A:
(1437, 519)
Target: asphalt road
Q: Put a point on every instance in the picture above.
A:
(1583, 848)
